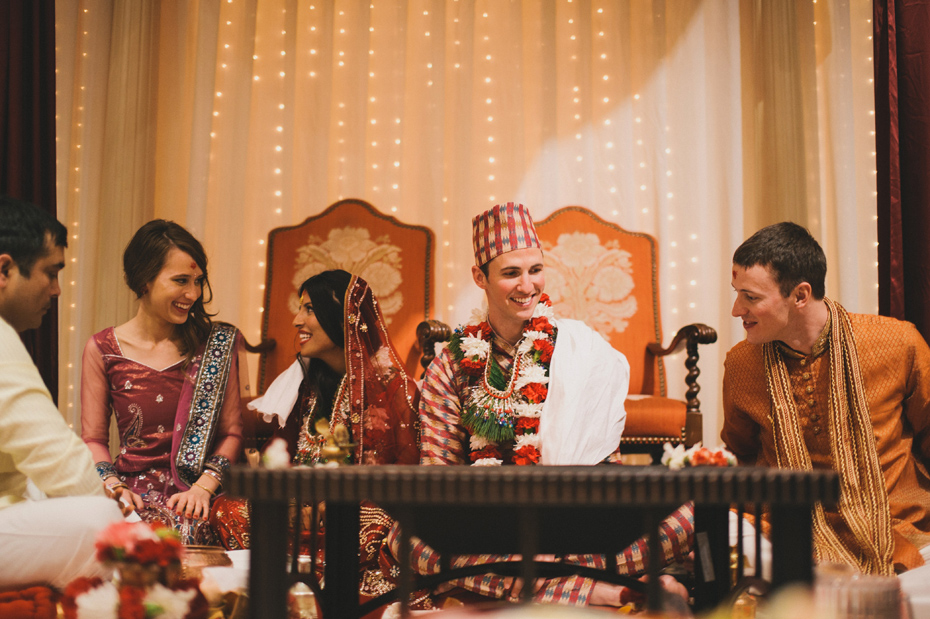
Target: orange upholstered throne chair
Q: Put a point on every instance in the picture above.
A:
(608, 277)
(395, 258)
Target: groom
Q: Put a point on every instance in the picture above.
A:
(518, 386)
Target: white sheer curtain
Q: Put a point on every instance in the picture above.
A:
(695, 121)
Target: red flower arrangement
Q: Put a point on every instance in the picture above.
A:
(491, 451)
(137, 542)
(527, 425)
(484, 328)
(541, 324)
(698, 455)
(526, 455)
(545, 350)
(706, 457)
(535, 392)
(470, 367)
(149, 563)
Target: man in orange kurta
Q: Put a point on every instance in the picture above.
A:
(808, 373)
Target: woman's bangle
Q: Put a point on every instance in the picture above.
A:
(202, 487)
(118, 484)
(214, 475)
(105, 469)
(217, 463)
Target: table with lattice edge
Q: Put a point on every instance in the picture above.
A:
(525, 510)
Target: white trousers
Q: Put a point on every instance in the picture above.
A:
(51, 542)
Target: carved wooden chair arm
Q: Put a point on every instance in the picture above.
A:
(428, 333)
(691, 336)
(694, 334)
(265, 346)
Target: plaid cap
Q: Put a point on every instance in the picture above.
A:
(501, 229)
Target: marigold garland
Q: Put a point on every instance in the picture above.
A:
(499, 408)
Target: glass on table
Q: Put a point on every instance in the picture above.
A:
(841, 592)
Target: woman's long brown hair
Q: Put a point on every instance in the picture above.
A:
(143, 260)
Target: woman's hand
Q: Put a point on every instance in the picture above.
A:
(117, 490)
(194, 503)
(116, 493)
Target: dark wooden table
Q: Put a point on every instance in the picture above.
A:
(527, 511)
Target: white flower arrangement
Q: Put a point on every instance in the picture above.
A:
(543, 309)
(479, 314)
(531, 374)
(528, 338)
(477, 442)
(532, 336)
(528, 439)
(488, 462)
(100, 602)
(475, 347)
(678, 457)
(173, 604)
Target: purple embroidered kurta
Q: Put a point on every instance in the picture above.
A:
(145, 401)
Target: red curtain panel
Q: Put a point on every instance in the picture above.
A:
(901, 40)
(27, 135)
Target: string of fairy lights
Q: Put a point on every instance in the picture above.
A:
(68, 309)
(617, 143)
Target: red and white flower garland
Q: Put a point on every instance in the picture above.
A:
(498, 409)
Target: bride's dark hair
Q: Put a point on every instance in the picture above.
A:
(327, 294)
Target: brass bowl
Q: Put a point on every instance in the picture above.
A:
(198, 557)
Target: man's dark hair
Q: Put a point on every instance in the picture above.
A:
(23, 230)
(789, 250)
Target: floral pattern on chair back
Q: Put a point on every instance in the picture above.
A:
(591, 281)
(352, 249)
(395, 258)
(606, 276)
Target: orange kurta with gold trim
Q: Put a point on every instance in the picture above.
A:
(895, 364)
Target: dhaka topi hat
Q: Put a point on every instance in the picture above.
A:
(501, 229)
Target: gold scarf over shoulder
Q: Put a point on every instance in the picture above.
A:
(864, 499)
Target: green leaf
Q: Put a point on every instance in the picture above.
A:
(496, 377)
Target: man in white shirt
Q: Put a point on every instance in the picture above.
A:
(48, 541)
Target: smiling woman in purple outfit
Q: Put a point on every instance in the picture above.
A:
(171, 376)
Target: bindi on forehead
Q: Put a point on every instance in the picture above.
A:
(193, 264)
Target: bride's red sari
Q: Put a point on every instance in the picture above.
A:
(377, 402)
